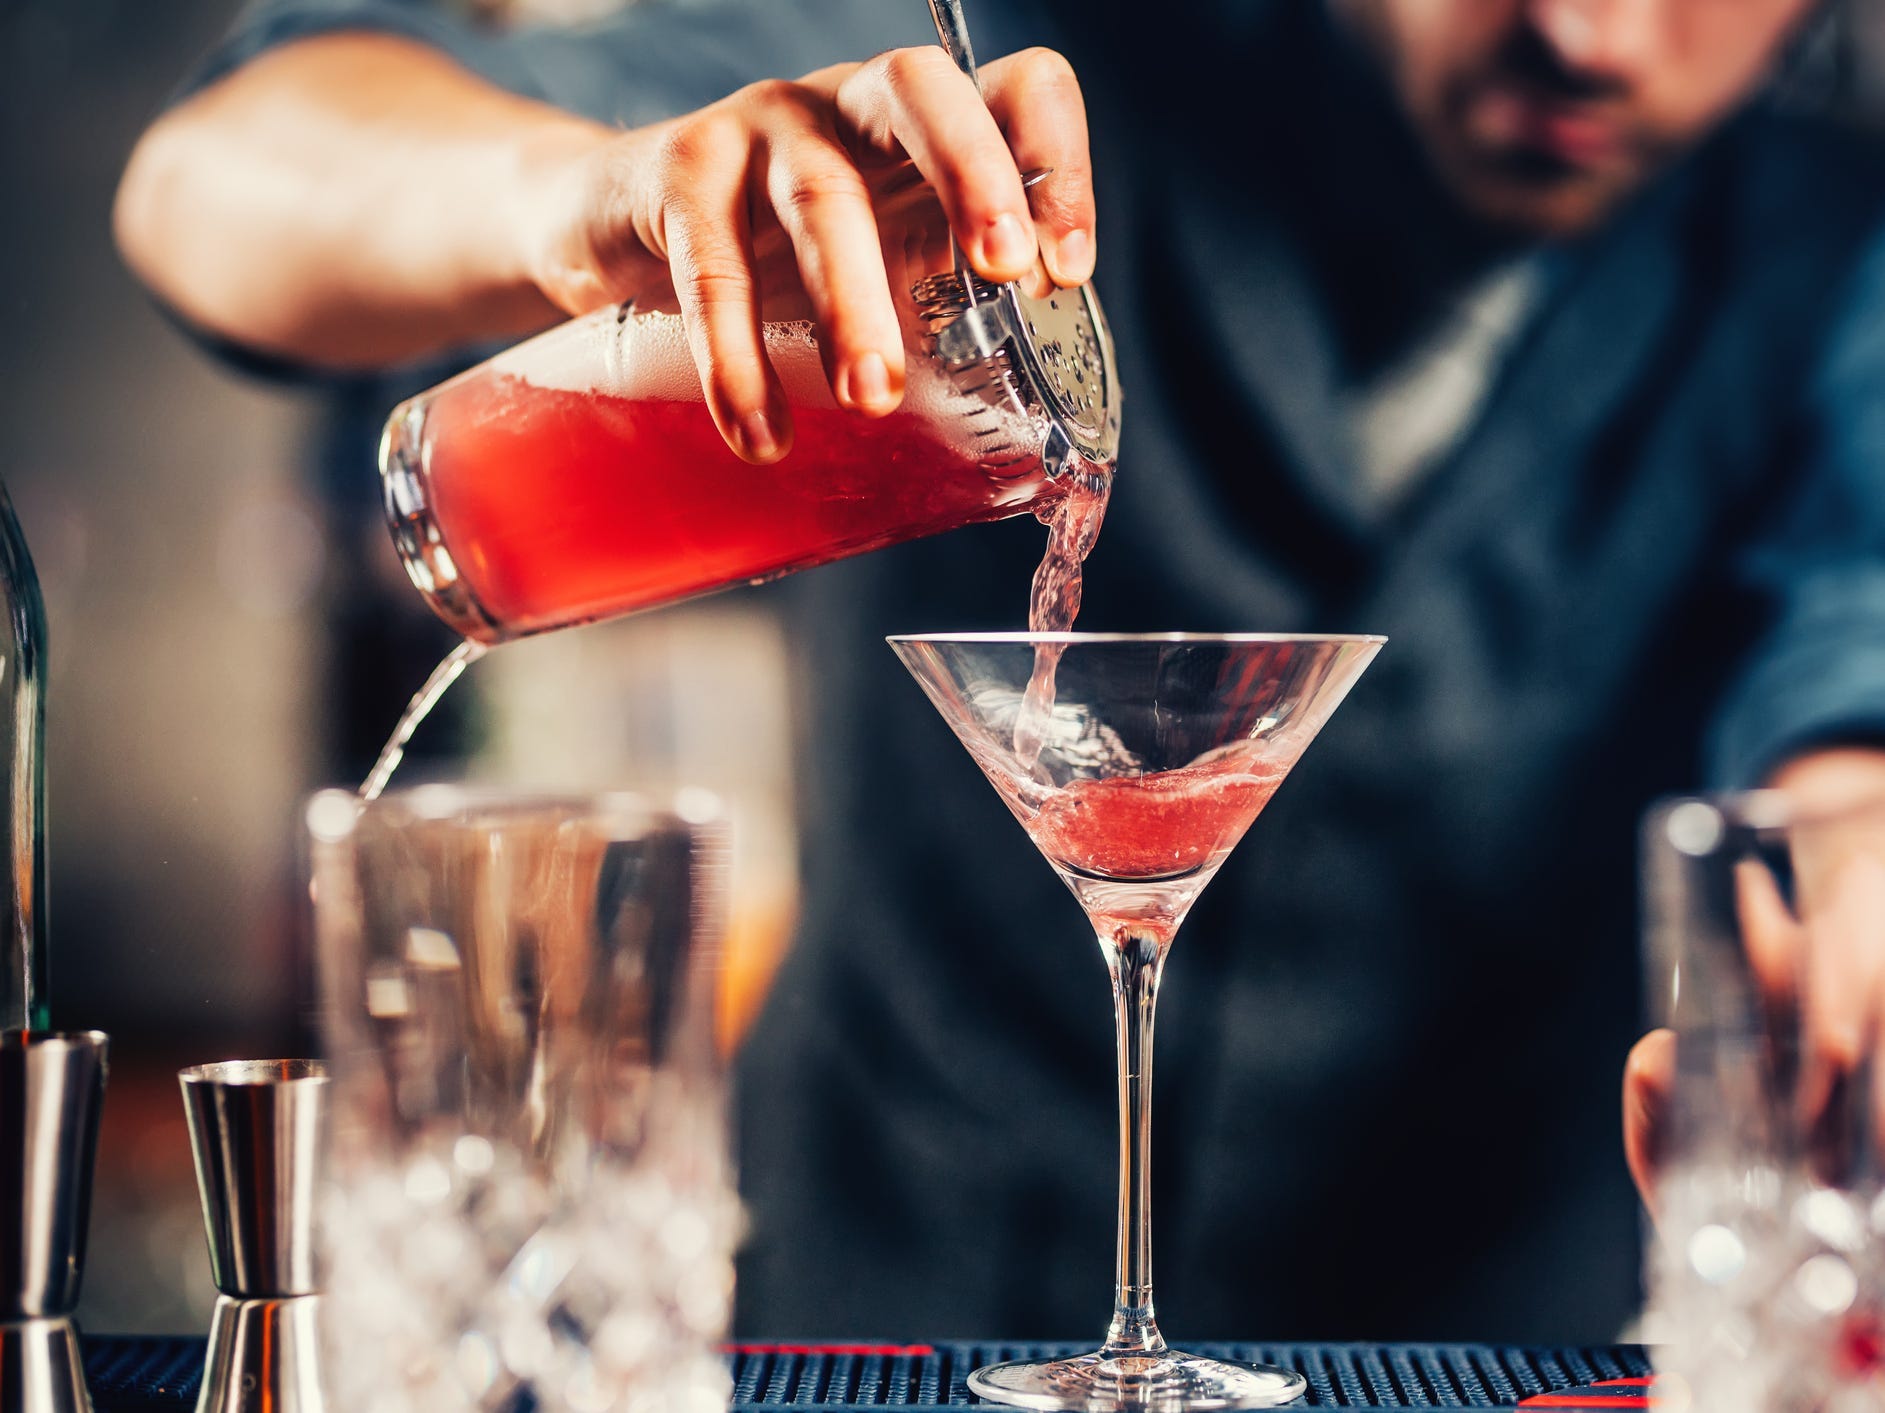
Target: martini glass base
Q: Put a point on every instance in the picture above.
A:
(1168, 1380)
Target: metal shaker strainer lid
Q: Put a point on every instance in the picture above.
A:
(1052, 355)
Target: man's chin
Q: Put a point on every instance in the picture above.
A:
(1539, 199)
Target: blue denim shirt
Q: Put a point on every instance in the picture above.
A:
(1394, 1026)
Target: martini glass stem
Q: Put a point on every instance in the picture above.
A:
(1134, 961)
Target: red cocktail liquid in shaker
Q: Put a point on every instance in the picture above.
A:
(579, 475)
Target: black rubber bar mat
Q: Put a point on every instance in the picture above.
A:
(155, 1375)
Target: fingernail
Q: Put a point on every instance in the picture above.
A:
(870, 383)
(1006, 246)
(1074, 257)
(757, 442)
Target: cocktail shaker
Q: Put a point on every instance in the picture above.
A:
(256, 1129)
(52, 1087)
(580, 475)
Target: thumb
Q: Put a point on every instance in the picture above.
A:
(1648, 1080)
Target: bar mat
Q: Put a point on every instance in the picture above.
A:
(161, 1375)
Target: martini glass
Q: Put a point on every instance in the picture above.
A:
(1135, 762)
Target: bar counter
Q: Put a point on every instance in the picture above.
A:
(158, 1375)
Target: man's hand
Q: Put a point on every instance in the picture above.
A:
(357, 199)
(793, 170)
(1829, 945)
(1648, 1080)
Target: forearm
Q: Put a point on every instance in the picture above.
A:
(349, 201)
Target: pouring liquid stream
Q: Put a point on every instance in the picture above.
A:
(420, 707)
(1054, 599)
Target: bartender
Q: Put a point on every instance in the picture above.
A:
(1539, 335)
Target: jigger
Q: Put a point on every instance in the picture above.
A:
(256, 1128)
(52, 1086)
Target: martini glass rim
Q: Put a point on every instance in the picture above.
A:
(1075, 639)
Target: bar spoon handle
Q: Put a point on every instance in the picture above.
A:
(953, 30)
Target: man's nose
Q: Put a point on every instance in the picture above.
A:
(1615, 40)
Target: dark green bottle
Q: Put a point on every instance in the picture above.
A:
(23, 1001)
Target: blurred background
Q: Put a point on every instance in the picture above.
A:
(199, 549)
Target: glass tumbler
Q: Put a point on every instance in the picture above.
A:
(528, 1201)
(1766, 1270)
